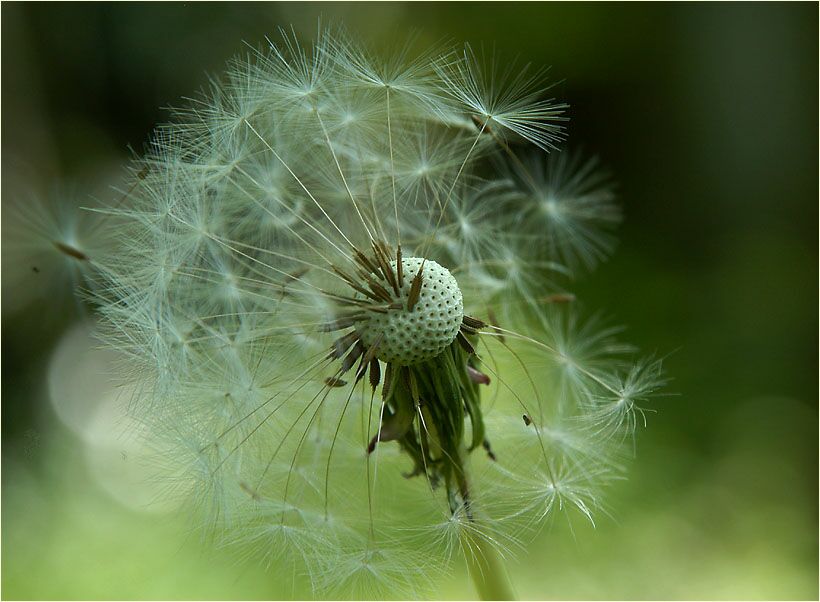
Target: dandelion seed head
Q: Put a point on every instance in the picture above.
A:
(338, 292)
(411, 335)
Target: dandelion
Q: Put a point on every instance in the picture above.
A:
(347, 323)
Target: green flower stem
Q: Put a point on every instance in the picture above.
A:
(487, 569)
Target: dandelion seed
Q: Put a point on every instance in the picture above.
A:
(567, 201)
(511, 100)
(49, 248)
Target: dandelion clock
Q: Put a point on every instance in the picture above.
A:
(336, 281)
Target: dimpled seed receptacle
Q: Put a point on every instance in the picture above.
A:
(412, 336)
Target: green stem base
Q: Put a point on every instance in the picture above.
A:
(487, 569)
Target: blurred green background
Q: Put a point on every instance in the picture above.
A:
(706, 113)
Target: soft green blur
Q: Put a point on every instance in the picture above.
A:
(707, 115)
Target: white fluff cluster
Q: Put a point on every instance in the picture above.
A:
(251, 256)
